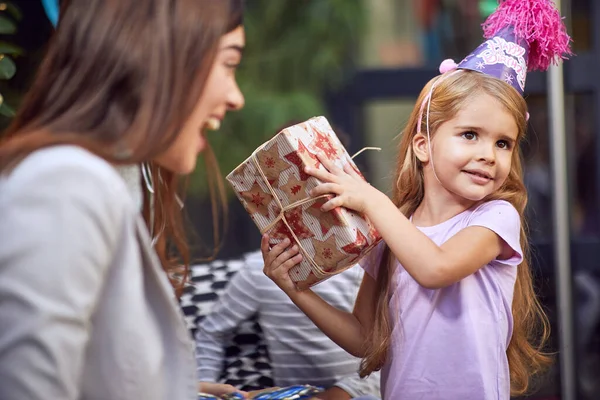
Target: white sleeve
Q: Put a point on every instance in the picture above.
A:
(58, 231)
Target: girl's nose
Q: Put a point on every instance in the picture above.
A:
(487, 153)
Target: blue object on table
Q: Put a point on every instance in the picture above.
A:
(231, 396)
(51, 7)
(298, 392)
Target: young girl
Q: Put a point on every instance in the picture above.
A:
(447, 307)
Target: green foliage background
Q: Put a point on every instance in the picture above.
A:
(9, 17)
(296, 51)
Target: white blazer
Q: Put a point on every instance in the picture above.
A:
(86, 311)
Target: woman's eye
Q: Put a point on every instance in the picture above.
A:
(469, 135)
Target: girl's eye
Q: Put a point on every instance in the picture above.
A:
(469, 135)
(503, 144)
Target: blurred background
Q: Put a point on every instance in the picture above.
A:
(362, 63)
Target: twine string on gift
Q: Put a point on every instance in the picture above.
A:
(282, 210)
(364, 149)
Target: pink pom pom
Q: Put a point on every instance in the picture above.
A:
(539, 23)
(447, 65)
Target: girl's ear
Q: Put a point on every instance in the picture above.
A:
(421, 147)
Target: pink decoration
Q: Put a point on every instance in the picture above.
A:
(447, 65)
(539, 23)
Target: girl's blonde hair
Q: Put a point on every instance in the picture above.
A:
(530, 326)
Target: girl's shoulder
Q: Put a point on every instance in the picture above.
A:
(500, 210)
(494, 205)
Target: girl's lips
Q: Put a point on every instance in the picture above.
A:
(478, 177)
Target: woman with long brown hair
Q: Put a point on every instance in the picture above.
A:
(86, 309)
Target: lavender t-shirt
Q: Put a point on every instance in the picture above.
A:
(451, 343)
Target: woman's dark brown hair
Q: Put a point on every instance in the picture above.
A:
(120, 78)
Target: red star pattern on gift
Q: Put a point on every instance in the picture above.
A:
(327, 254)
(241, 170)
(294, 189)
(305, 284)
(373, 233)
(308, 282)
(256, 200)
(294, 220)
(324, 143)
(271, 163)
(329, 219)
(358, 246)
(280, 231)
(273, 182)
(302, 157)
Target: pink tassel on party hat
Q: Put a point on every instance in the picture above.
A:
(539, 23)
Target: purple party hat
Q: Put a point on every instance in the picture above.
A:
(504, 56)
(522, 36)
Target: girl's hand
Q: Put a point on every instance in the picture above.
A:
(351, 190)
(278, 262)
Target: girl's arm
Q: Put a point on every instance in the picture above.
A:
(347, 330)
(432, 266)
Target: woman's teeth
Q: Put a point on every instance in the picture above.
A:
(213, 124)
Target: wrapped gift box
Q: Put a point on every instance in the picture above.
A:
(274, 189)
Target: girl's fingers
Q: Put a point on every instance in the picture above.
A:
(264, 244)
(326, 188)
(350, 171)
(285, 256)
(327, 163)
(286, 266)
(280, 247)
(321, 174)
(333, 203)
(275, 251)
